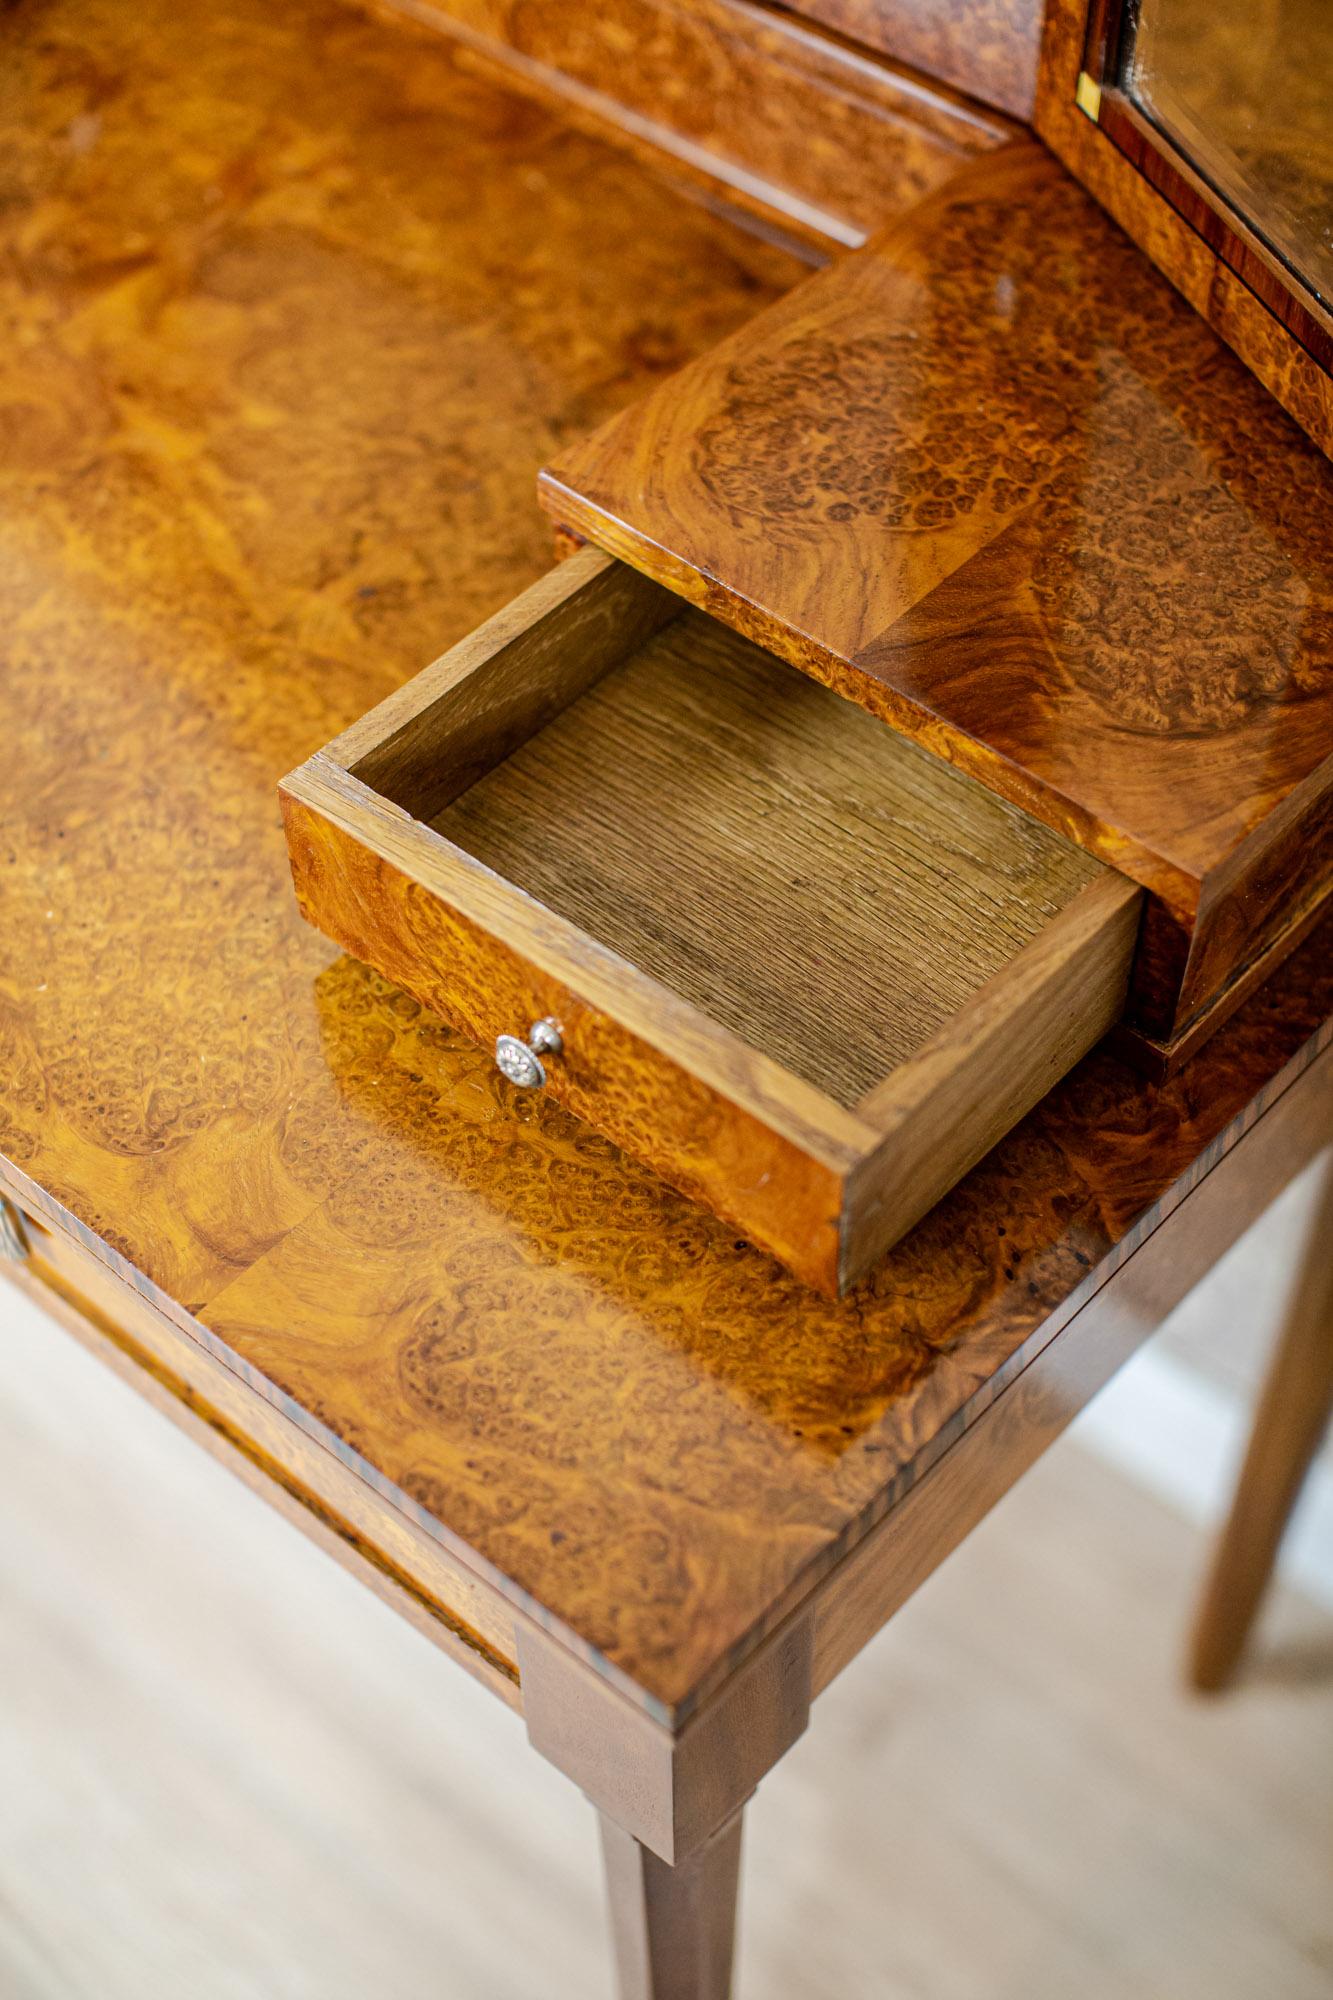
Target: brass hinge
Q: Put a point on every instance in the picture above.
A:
(1088, 96)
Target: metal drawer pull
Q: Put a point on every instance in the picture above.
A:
(521, 1061)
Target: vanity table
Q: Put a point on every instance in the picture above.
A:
(300, 301)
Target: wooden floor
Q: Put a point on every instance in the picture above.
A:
(228, 1774)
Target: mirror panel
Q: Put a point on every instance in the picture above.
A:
(1243, 89)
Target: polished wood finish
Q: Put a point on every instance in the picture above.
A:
(1256, 189)
(755, 106)
(1192, 1231)
(713, 1439)
(333, 1192)
(1207, 1213)
(329, 1190)
(271, 407)
(706, 1111)
(172, 1360)
(671, 1786)
(1227, 277)
(320, 1721)
(830, 893)
(806, 971)
(1289, 1425)
(988, 478)
(270, 1457)
(276, 433)
(986, 47)
(674, 1929)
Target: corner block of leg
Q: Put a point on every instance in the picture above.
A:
(670, 1789)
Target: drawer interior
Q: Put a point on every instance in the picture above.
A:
(808, 971)
(823, 888)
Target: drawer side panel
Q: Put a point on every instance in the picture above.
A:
(994, 1061)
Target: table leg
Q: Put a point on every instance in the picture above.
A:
(1289, 1423)
(674, 1928)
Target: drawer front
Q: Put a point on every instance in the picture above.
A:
(715, 1139)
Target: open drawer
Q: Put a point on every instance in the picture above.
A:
(803, 968)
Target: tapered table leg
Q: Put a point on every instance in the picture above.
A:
(1292, 1414)
(673, 1928)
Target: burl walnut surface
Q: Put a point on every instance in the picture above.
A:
(292, 312)
(988, 48)
(992, 478)
(793, 123)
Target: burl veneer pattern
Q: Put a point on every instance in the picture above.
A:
(270, 406)
(293, 307)
(991, 479)
(782, 118)
(986, 47)
(634, 1424)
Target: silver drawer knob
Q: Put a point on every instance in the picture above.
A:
(521, 1061)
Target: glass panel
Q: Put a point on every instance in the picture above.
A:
(1244, 89)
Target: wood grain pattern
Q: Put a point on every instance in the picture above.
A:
(1002, 1049)
(772, 853)
(724, 1123)
(674, 1929)
(1210, 1212)
(782, 120)
(1009, 1413)
(181, 1740)
(269, 1443)
(988, 478)
(1230, 305)
(633, 1420)
(431, 740)
(270, 434)
(673, 1786)
(986, 47)
(103, 1331)
(750, 909)
(270, 439)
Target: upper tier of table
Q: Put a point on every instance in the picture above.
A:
(294, 307)
(991, 477)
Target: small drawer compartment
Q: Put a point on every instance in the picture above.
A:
(807, 971)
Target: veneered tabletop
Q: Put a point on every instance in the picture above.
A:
(272, 426)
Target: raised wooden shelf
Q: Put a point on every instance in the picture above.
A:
(806, 970)
(753, 103)
(987, 47)
(993, 480)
